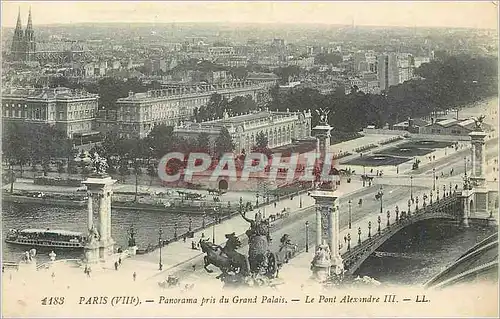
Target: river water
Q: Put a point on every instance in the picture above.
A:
(421, 251)
(146, 225)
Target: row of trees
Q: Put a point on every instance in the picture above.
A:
(450, 82)
(218, 104)
(33, 145)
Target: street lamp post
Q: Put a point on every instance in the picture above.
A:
(434, 179)
(416, 203)
(379, 220)
(257, 202)
(411, 188)
(307, 236)
(190, 224)
(160, 232)
(369, 229)
(388, 216)
(450, 188)
(203, 221)
(350, 202)
(175, 231)
(431, 195)
(348, 242)
(300, 200)
(213, 230)
(381, 196)
(397, 213)
(409, 207)
(437, 194)
(359, 235)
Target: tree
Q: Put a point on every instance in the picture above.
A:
(203, 142)
(261, 140)
(160, 140)
(224, 142)
(262, 145)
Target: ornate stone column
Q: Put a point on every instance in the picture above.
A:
(319, 228)
(90, 210)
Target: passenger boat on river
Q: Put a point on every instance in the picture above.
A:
(46, 238)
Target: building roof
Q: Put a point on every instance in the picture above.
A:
(447, 123)
(46, 93)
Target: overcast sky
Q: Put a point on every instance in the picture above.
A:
(478, 14)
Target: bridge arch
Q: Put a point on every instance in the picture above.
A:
(356, 256)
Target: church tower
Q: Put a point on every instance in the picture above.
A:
(29, 40)
(17, 48)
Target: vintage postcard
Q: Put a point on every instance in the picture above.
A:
(249, 159)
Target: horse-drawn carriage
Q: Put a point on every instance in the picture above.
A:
(171, 281)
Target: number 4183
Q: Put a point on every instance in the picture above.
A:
(52, 301)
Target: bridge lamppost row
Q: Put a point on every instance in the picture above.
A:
(160, 232)
(381, 197)
(369, 229)
(434, 179)
(359, 235)
(411, 188)
(350, 202)
(348, 242)
(307, 236)
(379, 220)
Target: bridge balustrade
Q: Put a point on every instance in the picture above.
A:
(447, 207)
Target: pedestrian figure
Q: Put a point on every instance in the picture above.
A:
(184, 238)
(89, 270)
(194, 267)
(119, 260)
(274, 204)
(371, 171)
(345, 239)
(202, 235)
(53, 276)
(116, 265)
(134, 275)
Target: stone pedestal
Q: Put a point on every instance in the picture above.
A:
(327, 220)
(99, 244)
(478, 158)
(132, 251)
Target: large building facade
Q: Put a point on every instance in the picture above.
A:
(280, 128)
(72, 112)
(137, 114)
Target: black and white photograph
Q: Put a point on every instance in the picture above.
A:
(230, 159)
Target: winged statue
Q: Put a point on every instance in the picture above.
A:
(479, 122)
(323, 115)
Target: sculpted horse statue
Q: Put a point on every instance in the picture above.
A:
(226, 258)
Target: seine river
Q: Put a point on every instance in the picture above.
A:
(421, 251)
(146, 225)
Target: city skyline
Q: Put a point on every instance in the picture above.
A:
(481, 15)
